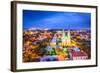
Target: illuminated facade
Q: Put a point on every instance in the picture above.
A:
(66, 40)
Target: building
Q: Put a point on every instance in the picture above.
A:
(66, 40)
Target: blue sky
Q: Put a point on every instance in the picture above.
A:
(56, 20)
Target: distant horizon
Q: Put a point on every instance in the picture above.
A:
(56, 20)
(25, 29)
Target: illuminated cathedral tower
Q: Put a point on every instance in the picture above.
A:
(64, 37)
(66, 40)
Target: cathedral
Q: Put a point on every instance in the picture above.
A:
(66, 39)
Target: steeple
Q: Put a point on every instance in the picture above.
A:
(68, 38)
(64, 37)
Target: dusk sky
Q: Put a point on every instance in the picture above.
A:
(56, 20)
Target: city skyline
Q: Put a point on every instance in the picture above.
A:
(56, 20)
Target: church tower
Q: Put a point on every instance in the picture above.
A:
(68, 38)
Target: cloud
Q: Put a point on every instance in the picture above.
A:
(60, 20)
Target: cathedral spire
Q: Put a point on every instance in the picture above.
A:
(68, 38)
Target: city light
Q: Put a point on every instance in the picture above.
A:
(56, 36)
